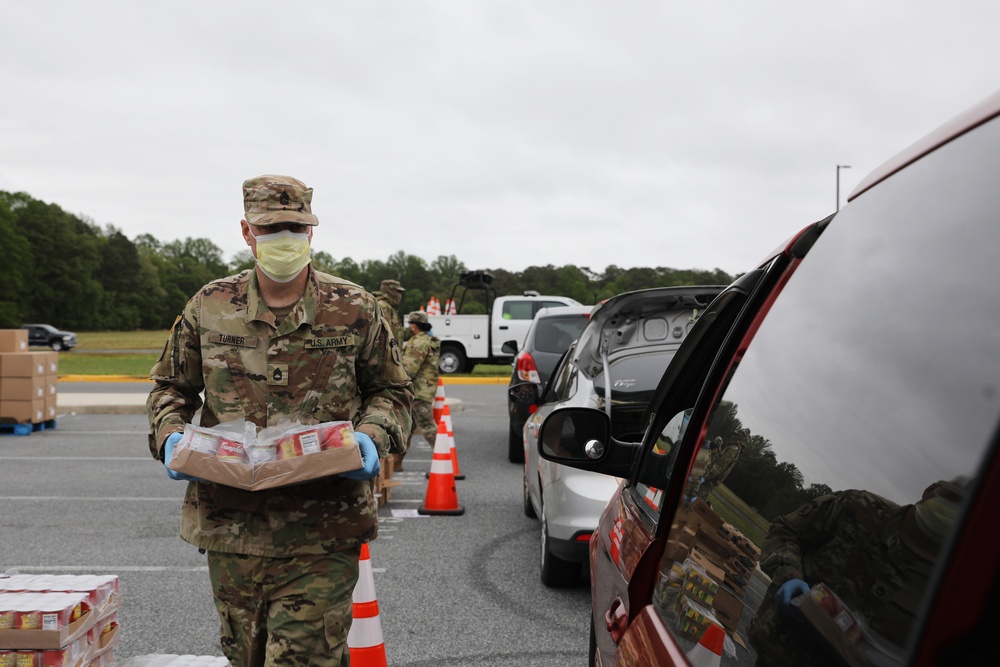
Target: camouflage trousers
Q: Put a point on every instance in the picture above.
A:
(291, 612)
(423, 419)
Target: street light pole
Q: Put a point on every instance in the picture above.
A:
(839, 167)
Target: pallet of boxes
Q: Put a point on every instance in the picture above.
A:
(712, 566)
(29, 383)
(62, 620)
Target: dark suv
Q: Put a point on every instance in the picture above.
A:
(46, 335)
(818, 482)
(549, 336)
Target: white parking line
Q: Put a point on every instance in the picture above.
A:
(102, 499)
(109, 568)
(120, 568)
(76, 458)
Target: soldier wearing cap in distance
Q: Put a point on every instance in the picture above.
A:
(875, 555)
(420, 359)
(389, 296)
(282, 342)
(721, 462)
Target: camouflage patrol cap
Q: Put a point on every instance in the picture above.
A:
(391, 286)
(418, 316)
(272, 199)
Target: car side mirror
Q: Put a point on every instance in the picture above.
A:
(575, 435)
(524, 393)
(510, 347)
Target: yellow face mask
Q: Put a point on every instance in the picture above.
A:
(282, 255)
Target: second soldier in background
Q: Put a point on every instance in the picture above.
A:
(420, 359)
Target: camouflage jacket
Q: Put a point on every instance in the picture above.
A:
(722, 463)
(851, 542)
(391, 315)
(331, 359)
(420, 359)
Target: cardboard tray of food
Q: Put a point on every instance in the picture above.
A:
(279, 456)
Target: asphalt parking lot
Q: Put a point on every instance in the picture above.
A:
(85, 497)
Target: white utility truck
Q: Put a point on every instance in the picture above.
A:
(467, 340)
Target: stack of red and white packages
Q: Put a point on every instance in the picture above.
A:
(58, 620)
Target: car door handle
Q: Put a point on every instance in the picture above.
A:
(504, 327)
(616, 620)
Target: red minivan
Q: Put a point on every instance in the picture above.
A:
(818, 482)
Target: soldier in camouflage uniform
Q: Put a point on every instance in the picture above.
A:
(719, 466)
(875, 555)
(282, 342)
(420, 359)
(389, 296)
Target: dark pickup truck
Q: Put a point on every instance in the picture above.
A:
(46, 335)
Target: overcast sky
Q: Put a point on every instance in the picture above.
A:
(505, 133)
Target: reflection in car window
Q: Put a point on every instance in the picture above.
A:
(859, 436)
(563, 384)
(665, 447)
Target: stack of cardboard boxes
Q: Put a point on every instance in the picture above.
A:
(29, 381)
(713, 565)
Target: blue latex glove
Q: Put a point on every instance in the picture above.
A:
(788, 590)
(168, 452)
(370, 466)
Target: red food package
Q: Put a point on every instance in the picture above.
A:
(231, 450)
(288, 447)
(338, 434)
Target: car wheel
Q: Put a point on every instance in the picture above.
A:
(556, 572)
(529, 509)
(57, 346)
(452, 360)
(515, 447)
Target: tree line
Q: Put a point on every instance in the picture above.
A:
(65, 270)
(769, 486)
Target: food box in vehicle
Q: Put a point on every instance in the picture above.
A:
(701, 512)
(728, 607)
(693, 618)
(236, 455)
(698, 583)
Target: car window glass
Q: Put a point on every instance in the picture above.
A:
(518, 310)
(835, 465)
(684, 377)
(555, 334)
(563, 383)
(549, 304)
(664, 452)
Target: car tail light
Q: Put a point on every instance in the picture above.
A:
(583, 536)
(526, 368)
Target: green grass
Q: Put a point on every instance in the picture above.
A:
(80, 362)
(121, 340)
(745, 518)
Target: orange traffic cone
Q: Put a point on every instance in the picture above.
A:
(446, 418)
(446, 424)
(364, 640)
(439, 401)
(441, 496)
(708, 652)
